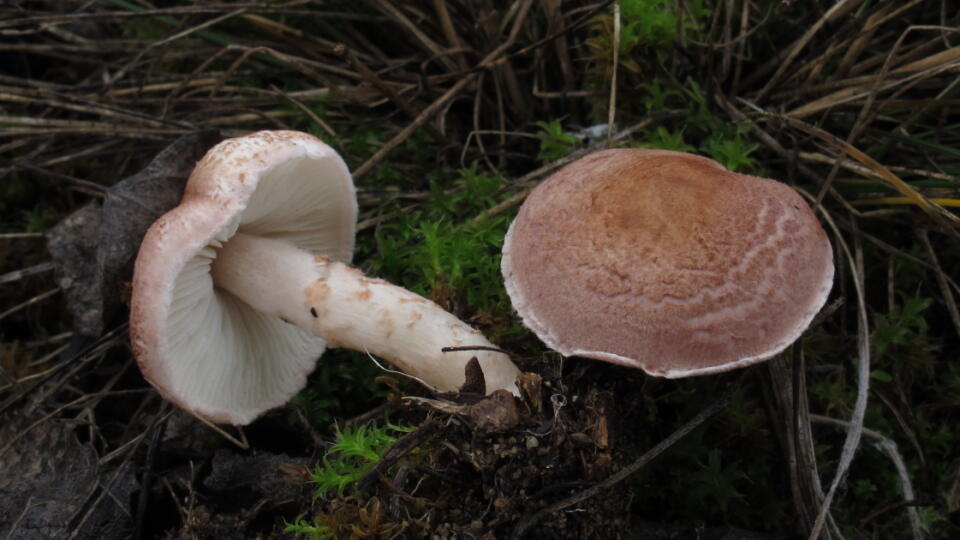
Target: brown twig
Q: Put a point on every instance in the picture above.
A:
(370, 76)
(17, 275)
(397, 450)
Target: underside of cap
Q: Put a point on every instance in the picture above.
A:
(667, 262)
(285, 185)
(201, 347)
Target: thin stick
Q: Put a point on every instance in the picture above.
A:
(75, 363)
(474, 348)
(450, 32)
(36, 299)
(397, 450)
(39, 362)
(16, 235)
(92, 186)
(309, 112)
(405, 133)
(17, 275)
(385, 89)
(240, 443)
(58, 410)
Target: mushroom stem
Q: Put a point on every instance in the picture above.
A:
(332, 300)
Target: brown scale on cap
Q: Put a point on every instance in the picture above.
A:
(666, 261)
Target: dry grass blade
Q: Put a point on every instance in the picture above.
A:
(433, 49)
(788, 392)
(450, 94)
(942, 280)
(855, 430)
(56, 412)
(454, 41)
(612, 105)
(889, 447)
(240, 442)
(16, 236)
(17, 275)
(853, 166)
(947, 220)
(76, 363)
(942, 62)
(836, 11)
(406, 132)
(955, 203)
(386, 90)
(27, 303)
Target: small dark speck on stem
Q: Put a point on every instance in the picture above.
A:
(313, 311)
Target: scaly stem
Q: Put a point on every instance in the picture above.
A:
(348, 309)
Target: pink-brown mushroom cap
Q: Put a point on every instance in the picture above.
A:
(200, 347)
(666, 261)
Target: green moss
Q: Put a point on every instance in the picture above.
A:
(356, 451)
(554, 142)
(442, 252)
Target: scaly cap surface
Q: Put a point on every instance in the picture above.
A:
(666, 261)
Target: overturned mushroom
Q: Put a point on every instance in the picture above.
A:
(238, 290)
(666, 261)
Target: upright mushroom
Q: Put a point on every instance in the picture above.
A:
(238, 290)
(666, 261)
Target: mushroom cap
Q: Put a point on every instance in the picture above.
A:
(666, 261)
(202, 348)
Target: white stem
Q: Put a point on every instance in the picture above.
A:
(348, 309)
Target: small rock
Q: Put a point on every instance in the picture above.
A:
(495, 413)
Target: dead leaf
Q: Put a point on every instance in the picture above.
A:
(50, 480)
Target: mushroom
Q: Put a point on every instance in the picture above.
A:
(666, 261)
(239, 289)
